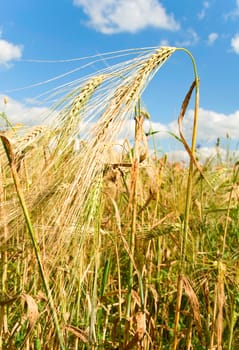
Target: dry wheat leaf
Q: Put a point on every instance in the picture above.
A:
(32, 309)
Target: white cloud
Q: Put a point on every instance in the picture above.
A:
(234, 13)
(235, 43)
(9, 52)
(191, 39)
(202, 13)
(212, 124)
(217, 154)
(115, 16)
(212, 37)
(19, 113)
(164, 42)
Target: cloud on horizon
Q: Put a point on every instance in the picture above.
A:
(113, 16)
(19, 113)
(211, 124)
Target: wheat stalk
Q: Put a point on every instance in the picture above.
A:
(66, 191)
(120, 107)
(11, 158)
(85, 93)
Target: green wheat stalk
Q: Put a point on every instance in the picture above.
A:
(188, 195)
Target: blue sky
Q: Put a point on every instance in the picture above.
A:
(68, 29)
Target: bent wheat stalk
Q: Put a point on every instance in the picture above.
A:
(11, 158)
(188, 194)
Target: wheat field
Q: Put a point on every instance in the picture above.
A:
(105, 246)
